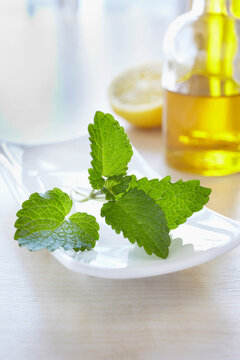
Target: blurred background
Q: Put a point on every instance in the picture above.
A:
(59, 56)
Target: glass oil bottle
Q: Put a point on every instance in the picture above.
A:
(201, 80)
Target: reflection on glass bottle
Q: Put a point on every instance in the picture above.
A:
(201, 79)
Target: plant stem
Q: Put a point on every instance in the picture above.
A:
(93, 195)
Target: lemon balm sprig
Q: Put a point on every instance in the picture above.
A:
(143, 210)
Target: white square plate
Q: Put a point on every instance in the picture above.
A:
(29, 169)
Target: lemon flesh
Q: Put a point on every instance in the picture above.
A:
(137, 95)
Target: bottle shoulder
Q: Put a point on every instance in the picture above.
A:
(202, 47)
(190, 28)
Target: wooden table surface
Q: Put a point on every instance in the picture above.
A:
(49, 312)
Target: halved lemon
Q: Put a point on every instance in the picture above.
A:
(137, 95)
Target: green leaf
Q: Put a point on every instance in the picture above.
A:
(41, 224)
(111, 149)
(178, 200)
(115, 186)
(140, 220)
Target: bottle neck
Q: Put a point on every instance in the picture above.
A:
(235, 8)
(226, 7)
(210, 6)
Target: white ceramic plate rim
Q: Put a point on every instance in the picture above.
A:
(154, 270)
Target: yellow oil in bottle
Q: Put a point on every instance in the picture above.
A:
(202, 133)
(201, 114)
